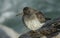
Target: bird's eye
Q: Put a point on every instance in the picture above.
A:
(29, 11)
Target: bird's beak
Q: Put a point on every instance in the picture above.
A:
(19, 14)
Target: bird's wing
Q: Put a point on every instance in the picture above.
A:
(40, 15)
(51, 26)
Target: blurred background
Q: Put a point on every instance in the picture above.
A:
(10, 8)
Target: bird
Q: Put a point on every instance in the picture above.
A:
(33, 19)
(39, 25)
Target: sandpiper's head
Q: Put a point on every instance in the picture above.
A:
(28, 10)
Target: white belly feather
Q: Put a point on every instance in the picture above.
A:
(33, 24)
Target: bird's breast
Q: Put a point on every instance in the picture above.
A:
(33, 24)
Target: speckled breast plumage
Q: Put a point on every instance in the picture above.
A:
(32, 22)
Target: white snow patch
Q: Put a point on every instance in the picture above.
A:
(10, 32)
